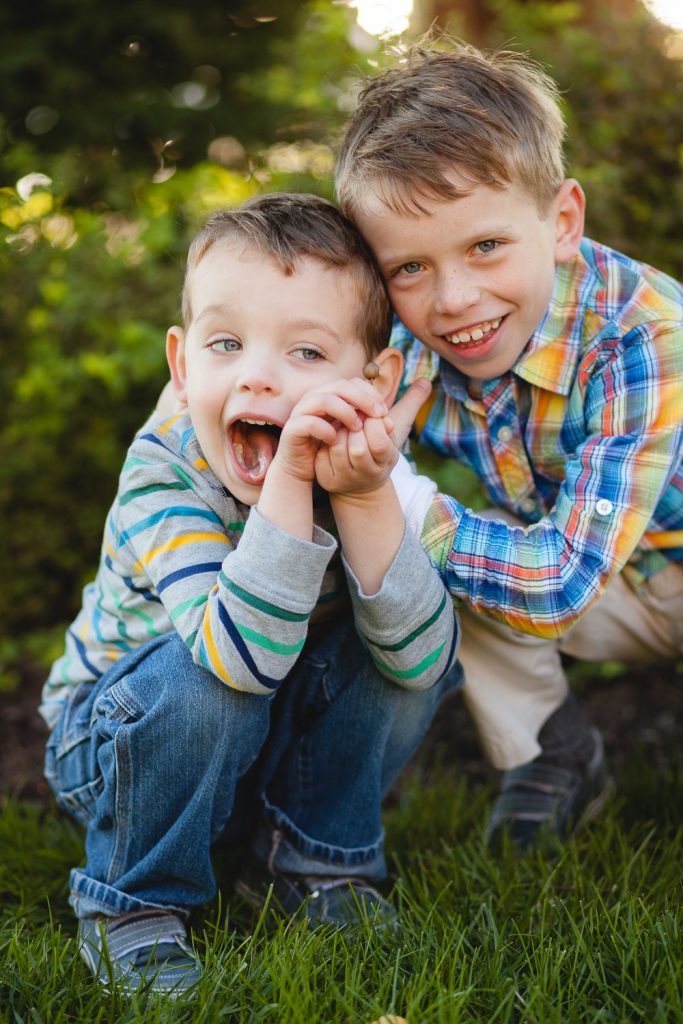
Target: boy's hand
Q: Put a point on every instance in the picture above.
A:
(358, 461)
(318, 417)
(404, 411)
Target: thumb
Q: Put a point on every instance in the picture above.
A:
(403, 413)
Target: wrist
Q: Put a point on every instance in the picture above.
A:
(376, 496)
(281, 474)
(286, 501)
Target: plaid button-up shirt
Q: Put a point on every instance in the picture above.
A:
(581, 440)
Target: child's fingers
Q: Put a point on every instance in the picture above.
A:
(380, 444)
(303, 427)
(328, 406)
(339, 398)
(361, 394)
(404, 411)
(358, 446)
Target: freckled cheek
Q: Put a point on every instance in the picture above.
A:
(411, 308)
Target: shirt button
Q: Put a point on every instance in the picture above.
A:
(603, 507)
(505, 435)
(527, 505)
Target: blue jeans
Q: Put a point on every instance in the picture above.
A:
(158, 759)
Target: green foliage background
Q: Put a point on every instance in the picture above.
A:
(125, 112)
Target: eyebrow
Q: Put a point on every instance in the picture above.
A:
(217, 309)
(315, 325)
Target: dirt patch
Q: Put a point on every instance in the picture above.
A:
(22, 739)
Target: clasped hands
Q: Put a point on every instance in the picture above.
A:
(343, 435)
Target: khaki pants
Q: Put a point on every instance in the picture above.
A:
(514, 682)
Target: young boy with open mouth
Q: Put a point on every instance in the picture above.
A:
(229, 676)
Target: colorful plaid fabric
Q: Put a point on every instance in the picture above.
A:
(581, 440)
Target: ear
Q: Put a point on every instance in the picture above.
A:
(569, 207)
(175, 354)
(390, 362)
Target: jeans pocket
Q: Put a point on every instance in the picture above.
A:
(69, 772)
(72, 765)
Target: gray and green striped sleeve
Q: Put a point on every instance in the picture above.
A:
(410, 626)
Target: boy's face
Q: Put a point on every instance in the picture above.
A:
(472, 277)
(258, 340)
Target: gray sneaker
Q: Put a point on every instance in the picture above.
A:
(143, 951)
(340, 902)
(541, 803)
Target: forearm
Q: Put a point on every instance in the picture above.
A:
(256, 620)
(538, 579)
(371, 527)
(287, 502)
(409, 626)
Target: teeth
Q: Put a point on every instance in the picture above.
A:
(257, 423)
(474, 333)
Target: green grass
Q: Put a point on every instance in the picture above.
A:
(595, 935)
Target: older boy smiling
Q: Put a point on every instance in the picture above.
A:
(559, 380)
(472, 277)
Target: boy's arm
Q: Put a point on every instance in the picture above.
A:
(242, 610)
(355, 470)
(542, 578)
(409, 623)
(401, 607)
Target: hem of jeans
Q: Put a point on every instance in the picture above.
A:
(90, 898)
(284, 848)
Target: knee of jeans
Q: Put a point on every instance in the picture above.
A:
(179, 698)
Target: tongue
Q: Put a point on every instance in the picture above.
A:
(254, 449)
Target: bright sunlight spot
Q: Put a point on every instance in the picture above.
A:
(383, 17)
(668, 11)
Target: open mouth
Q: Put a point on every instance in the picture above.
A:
(253, 444)
(475, 335)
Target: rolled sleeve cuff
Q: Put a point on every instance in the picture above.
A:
(295, 567)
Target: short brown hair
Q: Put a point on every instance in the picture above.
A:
(290, 227)
(492, 118)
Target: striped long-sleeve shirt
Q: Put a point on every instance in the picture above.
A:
(179, 552)
(581, 440)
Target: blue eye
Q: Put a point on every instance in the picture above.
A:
(308, 354)
(411, 268)
(226, 344)
(488, 246)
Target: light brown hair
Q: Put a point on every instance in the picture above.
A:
(488, 118)
(291, 227)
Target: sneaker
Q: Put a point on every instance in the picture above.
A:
(541, 803)
(146, 950)
(320, 900)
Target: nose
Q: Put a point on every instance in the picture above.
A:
(456, 290)
(257, 373)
